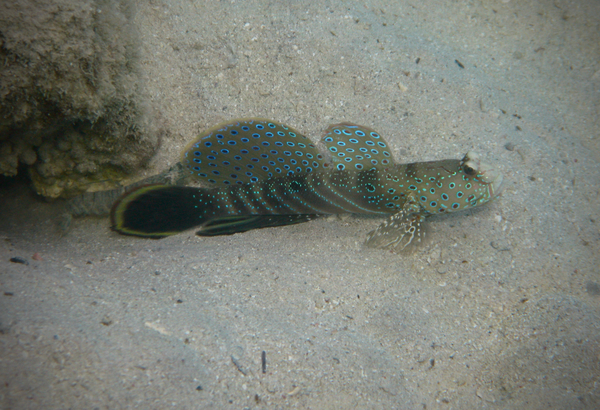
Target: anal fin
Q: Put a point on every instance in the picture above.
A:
(235, 224)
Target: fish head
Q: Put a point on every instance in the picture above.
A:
(487, 180)
(451, 185)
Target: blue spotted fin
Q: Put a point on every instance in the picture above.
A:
(355, 147)
(249, 150)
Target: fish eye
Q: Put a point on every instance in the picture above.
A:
(469, 170)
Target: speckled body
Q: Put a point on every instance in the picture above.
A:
(438, 186)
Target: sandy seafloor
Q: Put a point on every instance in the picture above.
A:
(499, 309)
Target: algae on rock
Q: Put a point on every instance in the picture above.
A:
(72, 106)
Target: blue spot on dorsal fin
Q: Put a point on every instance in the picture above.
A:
(249, 150)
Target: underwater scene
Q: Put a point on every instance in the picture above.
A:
(300, 204)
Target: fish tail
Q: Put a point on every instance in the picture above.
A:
(156, 211)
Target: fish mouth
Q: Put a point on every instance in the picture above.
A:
(496, 186)
(486, 173)
(493, 178)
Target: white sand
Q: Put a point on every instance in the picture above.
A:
(499, 309)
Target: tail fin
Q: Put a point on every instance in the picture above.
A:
(156, 211)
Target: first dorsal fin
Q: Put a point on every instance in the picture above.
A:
(249, 150)
(357, 147)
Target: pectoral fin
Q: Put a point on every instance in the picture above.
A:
(397, 232)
